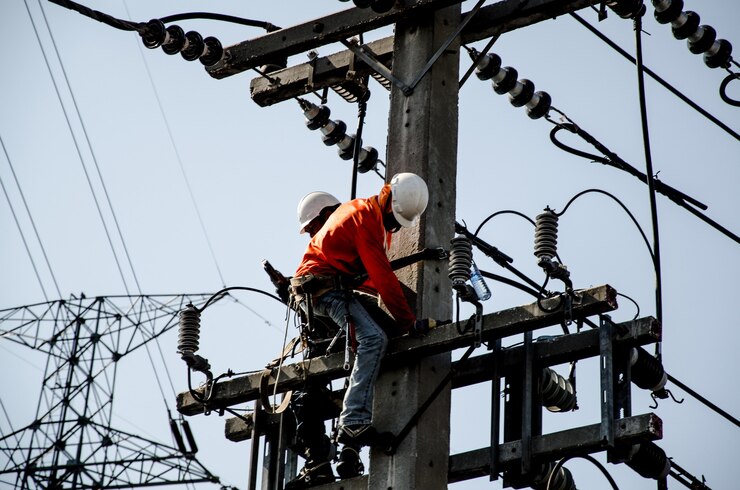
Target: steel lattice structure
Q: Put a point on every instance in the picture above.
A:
(71, 443)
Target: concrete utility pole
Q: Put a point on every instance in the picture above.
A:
(422, 138)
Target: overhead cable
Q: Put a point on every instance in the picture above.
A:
(180, 164)
(20, 230)
(703, 400)
(76, 143)
(650, 176)
(657, 78)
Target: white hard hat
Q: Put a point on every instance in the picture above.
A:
(409, 197)
(311, 205)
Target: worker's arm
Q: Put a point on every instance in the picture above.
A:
(374, 259)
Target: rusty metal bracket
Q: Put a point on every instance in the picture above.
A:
(364, 53)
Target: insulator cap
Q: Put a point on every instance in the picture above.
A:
(460, 261)
(626, 9)
(154, 34)
(189, 332)
(507, 82)
(488, 66)
(546, 235)
(333, 132)
(175, 40)
(194, 46)
(689, 26)
(213, 53)
(650, 461)
(702, 40)
(346, 147)
(316, 116)
(367, 160)
(521, 93)
(719, 55)
(541, 107)
(382, 6)
(558, 394)
(670, 12)
(647, 371)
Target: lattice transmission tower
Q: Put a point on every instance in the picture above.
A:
(71, 443)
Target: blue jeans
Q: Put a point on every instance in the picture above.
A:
(371, 340)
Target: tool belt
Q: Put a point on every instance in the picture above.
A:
(315, 286)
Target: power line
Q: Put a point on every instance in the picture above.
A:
(703, 400)
(655, 77)
(76, 144)
(650, 175)
(90, 147)
(178, 158)
(33, 224)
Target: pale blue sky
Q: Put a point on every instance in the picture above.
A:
(249, 166)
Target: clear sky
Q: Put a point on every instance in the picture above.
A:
(247, 167)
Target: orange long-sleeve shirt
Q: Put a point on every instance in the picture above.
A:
(352, 242)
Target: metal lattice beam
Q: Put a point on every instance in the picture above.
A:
(70, 442)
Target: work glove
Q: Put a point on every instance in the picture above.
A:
(422, 327)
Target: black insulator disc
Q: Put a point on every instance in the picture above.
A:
(214, 51)
(154, 34)
(720, 59)
(542, 107)
(333, 132)
(508, 82)
(670, 13)
(194, 46)
(525, 95)
(381, 6)
(175, 40)
(488, 67)
(689, 27)
(368, 159)
(705, 41)
(363, 4)
(346, 151)
(320, 119)
(626, 9)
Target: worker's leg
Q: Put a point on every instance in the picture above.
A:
(372, 342)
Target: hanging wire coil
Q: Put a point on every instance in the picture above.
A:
(546, 235)
(461, 260)
(189, 334)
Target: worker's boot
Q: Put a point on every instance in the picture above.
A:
(350, 464)
(312, 474)
(364, 435)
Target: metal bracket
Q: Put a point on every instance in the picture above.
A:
(364, 53)
(468, 17)
(606, 367)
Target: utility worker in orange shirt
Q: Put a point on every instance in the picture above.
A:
(354, 241)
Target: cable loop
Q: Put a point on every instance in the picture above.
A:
(723, 89)
(574, 129)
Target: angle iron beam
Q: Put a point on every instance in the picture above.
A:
(503, 16)
(479, 369)
(549, 447)
(303, 37)
(557, 350)
(512, 321)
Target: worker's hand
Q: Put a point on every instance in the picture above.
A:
(422, 327)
